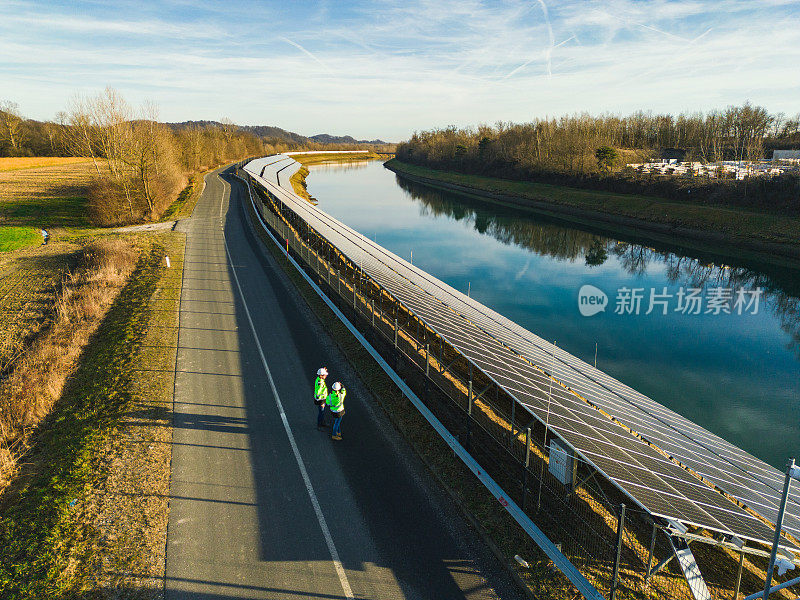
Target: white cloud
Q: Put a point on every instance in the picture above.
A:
(385, 69)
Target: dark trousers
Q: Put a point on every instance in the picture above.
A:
(321, 416)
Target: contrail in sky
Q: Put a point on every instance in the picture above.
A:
(549, 51)
(530, 60)
(309, 54)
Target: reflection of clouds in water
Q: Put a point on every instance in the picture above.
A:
(524, 270)
(570, 245)
(350, 165)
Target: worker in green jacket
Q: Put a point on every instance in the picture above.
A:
(320, 396)
(336, 406)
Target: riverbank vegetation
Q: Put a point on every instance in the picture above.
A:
(563, 151)
(760, 230)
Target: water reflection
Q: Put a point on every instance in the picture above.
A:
(781, 287)
(354, 165)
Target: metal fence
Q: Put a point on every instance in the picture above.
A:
(617, 548)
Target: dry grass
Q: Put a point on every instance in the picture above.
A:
(183, 207)
(17, 163)
(128, 504)
(86, 515)
(29, 280)
(38, 376)
(46, 196)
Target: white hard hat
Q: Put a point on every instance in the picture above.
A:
(337, 386)
(322, 371)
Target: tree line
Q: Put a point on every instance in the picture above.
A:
(565, 151)
(140, 163)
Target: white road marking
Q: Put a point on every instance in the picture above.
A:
(222, 199)
(337, 563)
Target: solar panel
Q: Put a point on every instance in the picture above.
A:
(504, 351)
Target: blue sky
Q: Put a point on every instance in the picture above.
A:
(384, 69)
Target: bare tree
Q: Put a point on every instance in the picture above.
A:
(11, 125)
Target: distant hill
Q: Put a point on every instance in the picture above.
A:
(269, 132)
(326, 138)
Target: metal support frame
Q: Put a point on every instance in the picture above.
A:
(777, 588)
(587, 479)
(447, 368)
(792, 472)
(739, 576)
(661, 565)
(693, 537)
(482, 392)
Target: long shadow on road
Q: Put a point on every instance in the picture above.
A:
(377, 507)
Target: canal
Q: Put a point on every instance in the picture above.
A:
(712, 338)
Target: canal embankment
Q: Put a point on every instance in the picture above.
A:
(740, 232)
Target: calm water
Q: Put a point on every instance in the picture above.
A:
(735, 374)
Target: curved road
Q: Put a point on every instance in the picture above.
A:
(262, 504)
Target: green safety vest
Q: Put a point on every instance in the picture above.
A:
(336, 400)
(320, 389)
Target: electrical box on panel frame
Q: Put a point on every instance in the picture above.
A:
(562, 463)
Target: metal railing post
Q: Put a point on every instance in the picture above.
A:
(469, 416)
(513, 420)
(427, 360)
(650, 554)
(526, 464)
(618, 556)
(427, 370)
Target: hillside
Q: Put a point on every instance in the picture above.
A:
(270, 133)
(326, 138)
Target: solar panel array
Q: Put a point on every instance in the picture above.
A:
(504, 351)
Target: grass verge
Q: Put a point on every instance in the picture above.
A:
(48, 538)
(764, 230)
(184, 204)
(16, 238)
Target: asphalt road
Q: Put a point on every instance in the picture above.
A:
(262, 504)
